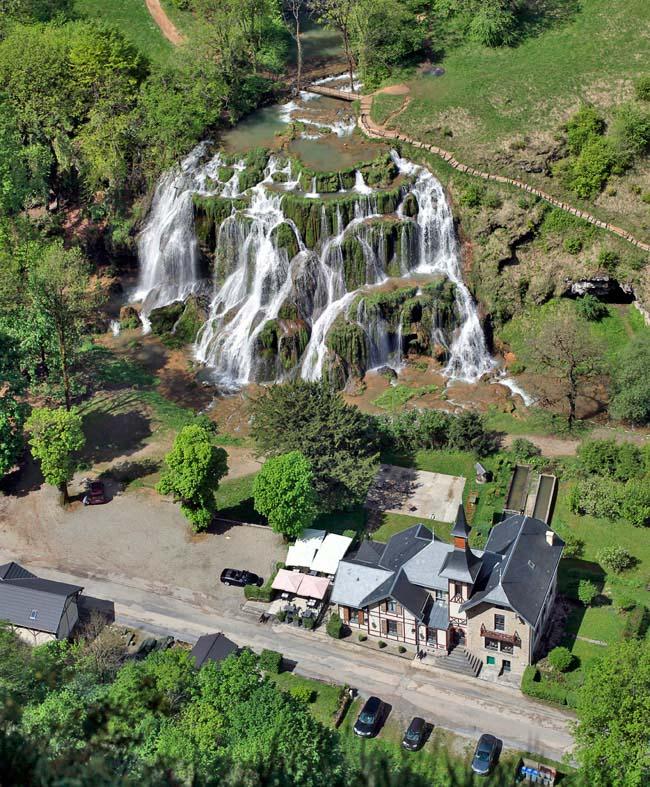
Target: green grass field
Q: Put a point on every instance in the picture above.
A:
(490, 98)
(133, 20)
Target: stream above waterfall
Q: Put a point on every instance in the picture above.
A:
(321, 254)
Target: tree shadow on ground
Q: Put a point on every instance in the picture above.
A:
(392, 488)
(129, 471)
(109, 435)
(26, 478)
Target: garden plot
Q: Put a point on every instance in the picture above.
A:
(416, 493)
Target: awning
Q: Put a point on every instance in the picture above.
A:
(330, 552)
(301, 554)
(313, 587)
(288, 581)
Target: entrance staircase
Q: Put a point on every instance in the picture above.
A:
(461, 661)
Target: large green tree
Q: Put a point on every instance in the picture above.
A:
(336, 438)
(613, 711)
(284, 493)
(631, 382)
(195, 465)
(56, 437)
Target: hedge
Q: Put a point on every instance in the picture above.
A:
(265, 593)
(637, 622)
(271, 661)
(335, 626)
(534, 685)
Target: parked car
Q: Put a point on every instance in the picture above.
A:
(415, 734)
(485, 754)
(233, 576)
(95, 494)
(367, 724)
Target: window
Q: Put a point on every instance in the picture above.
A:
(505, 665)
(491, 644)
(491, 660)
(506, 647)
(391, 627)
(440, 595)
(391, 606)
(499, 622)
(34, 614)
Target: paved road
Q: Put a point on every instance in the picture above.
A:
(464, 705)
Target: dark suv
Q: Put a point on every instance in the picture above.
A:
(367, 725)
(233, 576)
(485, 754)
(415, 734)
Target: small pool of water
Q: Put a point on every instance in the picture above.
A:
(331, 152)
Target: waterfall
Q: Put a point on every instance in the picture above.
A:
(167, 246)
(270, 313)
(439, 252)
(115, 327)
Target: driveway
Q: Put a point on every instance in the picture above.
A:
(463, 705)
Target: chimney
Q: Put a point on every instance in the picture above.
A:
(550, 537)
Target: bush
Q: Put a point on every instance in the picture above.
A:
(600, 497)
(584, 126)
(588, 172)
(561, 659)
(309, 623)
(591, 308)
(472, 195)
(381, 643)
(467, 433)
(401, 649)
(533, 685)
(631, 131)
(631, 382)
(303, 694)
(636, 502)
(523, 449)
(636, 623)
(270, 661)
(281, 616)
(625, 603)
(363, 637)
(573, 546)
(493, 200)
(587, 591)
(572, 244)
(642, 88)
(493, 24)
(335, 626)
(608, 260)
(615, 559)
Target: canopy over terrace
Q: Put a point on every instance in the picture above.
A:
(302, 553)
(330, 552)
(301, 584)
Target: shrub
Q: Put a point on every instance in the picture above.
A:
(381, 643)
(401, 649)
(533, 685)
(587, 173)
(335, 626)
(636, 623)
(270, 661)
(524, 449)
(642, 88)
(616, 559)
(363, 637)
(591, 308)
(493, 24)
(493, 200)
(587, 591)
(636, 502)
(583, 127)
(561, 659)
(573, 546)
(309, 623)
(303, 693)
(625, 603)
(600, 497)
(572, 245)
(631, 131)
(281, 616)
(631, 382)
(472, 195)
(608, 260)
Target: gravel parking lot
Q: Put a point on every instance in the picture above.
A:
(139, 536)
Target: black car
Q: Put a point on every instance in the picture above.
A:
(485, 754)
(367, 725)
(233, 576)
(415, 734)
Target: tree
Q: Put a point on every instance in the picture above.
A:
(340, 16)
(467, 433)
(587, 591)
(615, 559)
(55, 437)
(194, 468)
(560, 659)
(60, 293)
(563, 348)
(284, 493)
(294, 9)
(336, 439)
(631, 382)
(613, 709)
(12, 419)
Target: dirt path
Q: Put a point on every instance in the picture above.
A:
(167, 27)
(549, 446)
(377, 131)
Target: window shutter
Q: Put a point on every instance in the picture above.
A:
(398, 609)
(346, 614)
(384, 627)
(360, 617)
(400, 630)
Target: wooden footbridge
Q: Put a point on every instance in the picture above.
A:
(331, 92)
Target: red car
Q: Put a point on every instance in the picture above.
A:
(95, 494)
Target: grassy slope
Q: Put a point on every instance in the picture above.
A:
(488, 97)
(133, 20)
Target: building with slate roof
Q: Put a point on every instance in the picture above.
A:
(426, 593)
(39, 610)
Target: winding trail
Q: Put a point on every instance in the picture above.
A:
(377, 131)
(167, 27)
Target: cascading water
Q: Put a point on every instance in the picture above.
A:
(272, 311)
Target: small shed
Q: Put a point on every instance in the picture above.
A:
(483, 475)
(212, 647)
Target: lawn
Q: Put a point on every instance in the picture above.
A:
(325, 695)
(235, 500)
(396, 396)
(489, 98)
(133, 20)
(384, 105)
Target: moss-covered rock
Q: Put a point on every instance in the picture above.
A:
(348, 342)
(164, 318)
(410, 206)
(209, 214)
(354, 263)
(284, 237)
(190, 321)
